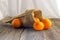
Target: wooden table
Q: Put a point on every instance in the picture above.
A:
(9, 33)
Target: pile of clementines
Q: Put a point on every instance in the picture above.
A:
(43, 24)
(38, 25)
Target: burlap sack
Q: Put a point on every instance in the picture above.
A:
(27, 17)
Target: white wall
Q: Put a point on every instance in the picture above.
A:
(48, 7)
(58, 6)
(13, 7)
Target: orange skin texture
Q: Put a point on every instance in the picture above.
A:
(16, 23)
(47, 23)
(38, 26)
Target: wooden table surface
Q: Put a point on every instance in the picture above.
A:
(9, 33)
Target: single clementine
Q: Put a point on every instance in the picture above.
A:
(38, 26)
(16, 23)
(47, 23)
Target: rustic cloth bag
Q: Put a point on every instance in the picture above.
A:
(27, 17)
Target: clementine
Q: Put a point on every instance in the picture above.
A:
(47, 23)
(38, 26)
(16, 23)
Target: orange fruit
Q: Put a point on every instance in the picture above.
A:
(37, 19)
(38, 26)
(16, 23)
(47, 23)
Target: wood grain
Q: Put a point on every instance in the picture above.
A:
(9, 33)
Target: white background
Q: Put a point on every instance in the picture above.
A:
(58, 5)
(50, 8)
